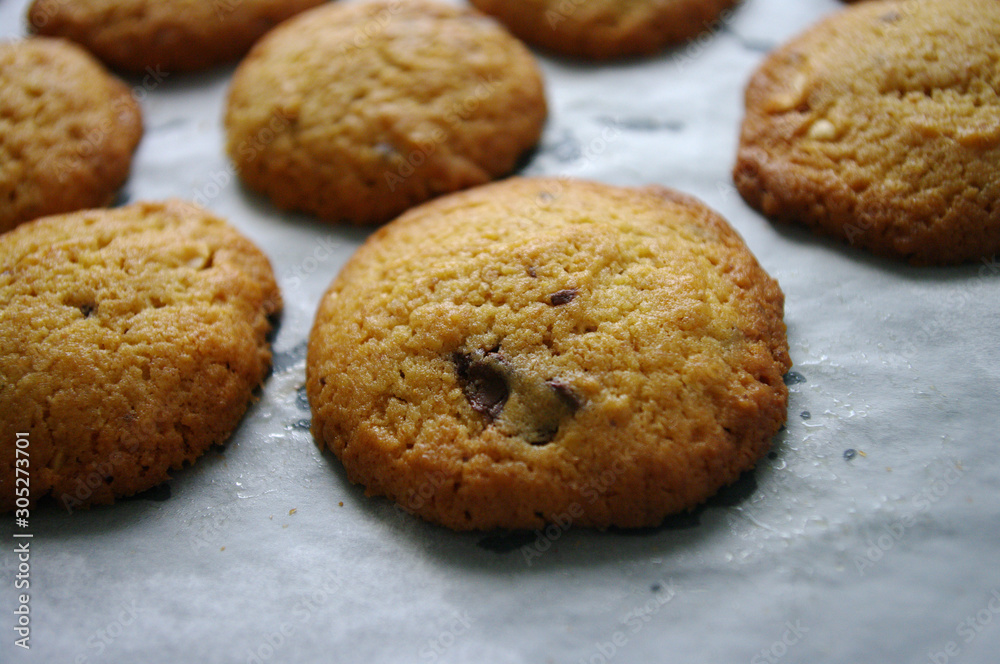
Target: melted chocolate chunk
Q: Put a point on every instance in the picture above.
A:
(566, 395)
(563, 297)
(520, 403)
(483, 382)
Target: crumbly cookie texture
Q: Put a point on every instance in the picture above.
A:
(356, 112)
(605, 29)
(537, 350)
(163, 36)
(68, 129)
(881, 125)
(131, 340)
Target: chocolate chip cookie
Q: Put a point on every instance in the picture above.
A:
(881, 126)
(604, 29)
(131, 340)
(68, 129)
(536, 348)
(164, 36)
(355, 112)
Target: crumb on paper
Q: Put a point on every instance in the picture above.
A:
(293, 511)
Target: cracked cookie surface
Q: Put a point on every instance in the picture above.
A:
(356, 112)
(68, 129)
(604, 29)
(536, 348)
(131, 340)
(881, 126)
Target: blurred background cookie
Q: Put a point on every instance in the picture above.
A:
(68, 130)
(881, 125)
(604, 29)
(131, 340)
(164, 35)
(356, 112)
(544, 350)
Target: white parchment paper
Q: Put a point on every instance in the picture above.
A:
(264, 552)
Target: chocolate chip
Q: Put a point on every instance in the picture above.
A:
(531, 272)
(483, 382)
(486, 390)
(566, 395)
(540, 436)
(87, 310)
(563, 297)
(517, 401)
(538, 408)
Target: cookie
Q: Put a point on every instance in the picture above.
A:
(544, 350)
(881, 125)
(131, 340)
(163, 36)
(605, 29)
(356, 112)
(68, 130)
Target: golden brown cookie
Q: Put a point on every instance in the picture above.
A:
(603, 29)
(544, 350)
(131, 340)
(67, 130)
(355, 112)
(163, 36)
(881, 125)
